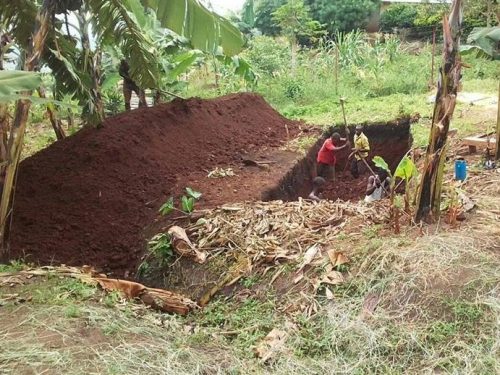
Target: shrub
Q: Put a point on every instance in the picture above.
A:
(267, 54)
(400, 16)
(294, 88)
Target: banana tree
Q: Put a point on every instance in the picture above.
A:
(34, 25)
(429, 192)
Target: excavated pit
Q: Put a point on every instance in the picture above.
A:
(390, 140)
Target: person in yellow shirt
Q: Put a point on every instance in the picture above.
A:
(360, 150)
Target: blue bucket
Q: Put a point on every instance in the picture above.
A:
(460, 169)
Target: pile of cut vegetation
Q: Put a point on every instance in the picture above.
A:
(87, 199)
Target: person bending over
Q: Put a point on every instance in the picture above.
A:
(326, 159)
(378, 186)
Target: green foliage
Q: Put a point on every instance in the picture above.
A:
(248, 13)
(267, 55)
(483, 41)
(63, 291)
(13, 266)
(430, 14)
(342, 15)
(250, 281)
(379, 162)
(264, 10)
(12, 82)
(113, 102)
(237, 316)
(406, 169)
(72, 311)
(293, 88)
(294, 21)
(167, 207)
(398, 16)
(112, 298)
(205, 29)
(187, 204)
(314, 338)
(160, 247)
(193, 194)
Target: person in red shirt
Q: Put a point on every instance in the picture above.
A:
(326, 159)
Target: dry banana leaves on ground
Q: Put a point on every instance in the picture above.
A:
(269, 233)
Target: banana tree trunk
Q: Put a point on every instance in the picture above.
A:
(16, 137)
(429, 193)
(56, 123)
(4, 134)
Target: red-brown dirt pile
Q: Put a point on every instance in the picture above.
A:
(87, 199)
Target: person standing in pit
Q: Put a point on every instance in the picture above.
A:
(327, 159)
(360, 150)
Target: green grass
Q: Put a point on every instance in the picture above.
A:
(13, 266)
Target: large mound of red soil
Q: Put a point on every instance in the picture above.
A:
(87, 199)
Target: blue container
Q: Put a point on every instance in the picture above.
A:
(460, 169)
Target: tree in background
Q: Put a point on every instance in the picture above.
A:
(398, 15)
(342, 15)
(482, 13)
(294, 21)
(264, 10)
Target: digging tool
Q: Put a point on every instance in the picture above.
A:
(342, 102)
(347, 132)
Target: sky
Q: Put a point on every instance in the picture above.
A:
(223, 6)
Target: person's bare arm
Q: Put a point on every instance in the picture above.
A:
(347, 144)
(372, 185)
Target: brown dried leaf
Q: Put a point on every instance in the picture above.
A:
(333, 278)
(309, 256)
(271, 345)
(183, 246)
(337, 258)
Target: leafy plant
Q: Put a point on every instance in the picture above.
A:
(398, 15)
(187, 203)
(193, 194)
(167, 207)
(405, 171)
(342, 15)
(293, 88)
(160, 246)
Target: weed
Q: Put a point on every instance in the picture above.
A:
(160, 247)
(72, 311)
(465, 313)
(440, 331)
(111, 329)
(371, 231)
(313, 339)
(62, 292)
(111, 299)
(250, 281)
(13, 266)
